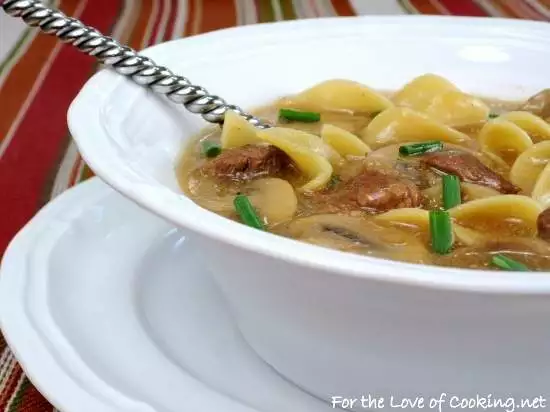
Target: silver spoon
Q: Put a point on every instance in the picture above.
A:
(124, 60)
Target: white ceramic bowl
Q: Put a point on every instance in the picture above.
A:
(338, 324)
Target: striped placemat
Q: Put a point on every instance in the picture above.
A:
(39, 77)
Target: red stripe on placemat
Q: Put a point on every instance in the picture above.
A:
(39, 140)
(463, 8)
(33, 401)
(343, 8)
(217, 14)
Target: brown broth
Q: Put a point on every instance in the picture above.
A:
(368, 235)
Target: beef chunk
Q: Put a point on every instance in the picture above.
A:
(247, 162)
(543, 225)
(469, 169)
(370, 190)
(539, 104)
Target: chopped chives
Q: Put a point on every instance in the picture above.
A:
(420, 148)
(441, 231)
(451, 191)
(506, 263)
(299, 116)
(493, 115)
(334, 180)
(247, 213)
(210, 149)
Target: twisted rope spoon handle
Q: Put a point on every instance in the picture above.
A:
(125, 60)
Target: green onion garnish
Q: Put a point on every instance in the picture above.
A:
(210, 149)
(451, 191)
(420, 148)
(298, 116)
(334, 180)
(441, 231)
(493, 115)
(507, 263)
(247, 213)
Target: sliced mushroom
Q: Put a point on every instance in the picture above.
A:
(359, 235)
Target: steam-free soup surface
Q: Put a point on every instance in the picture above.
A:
(428, 174)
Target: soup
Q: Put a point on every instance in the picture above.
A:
(428, 174)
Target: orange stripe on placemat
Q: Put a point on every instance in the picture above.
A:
(518, 9)
(343, 8)
(421, 6)
(12, 382)
(191, 16)
(22, 77)
(217, 14)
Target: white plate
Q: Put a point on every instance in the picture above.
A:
(109, 309)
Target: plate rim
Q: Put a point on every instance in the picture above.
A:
(17, 328)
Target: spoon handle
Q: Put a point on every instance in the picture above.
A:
(124, 60)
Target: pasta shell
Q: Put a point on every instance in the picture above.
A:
(541, 191)
(504, 139)
(457, 109)
(312, 164)
(340, 94)
(471, 191)
(406, 217)
(469, 237)
(528, 166)
(306, 140)
(513, 215)
(236, 131)
(344, 142)
(419, 93)
(401, 125)
(433, 195)
(537, 128)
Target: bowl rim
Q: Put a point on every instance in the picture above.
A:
(88, 103)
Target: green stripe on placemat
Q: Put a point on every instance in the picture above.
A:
(288, 9)
(17, 400)
(265, 12)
